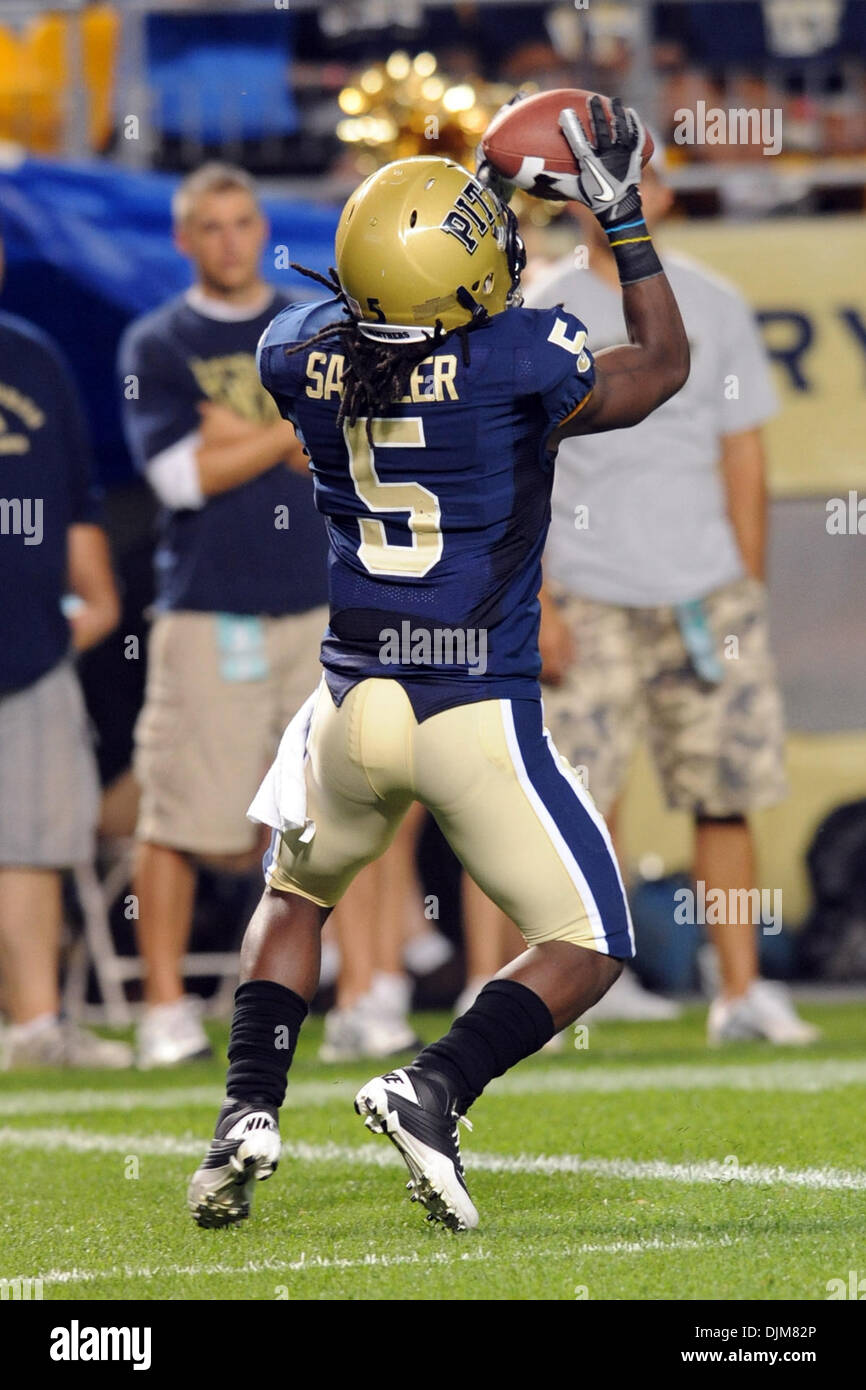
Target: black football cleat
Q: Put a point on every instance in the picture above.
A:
(245, 1150)
(420, 1120)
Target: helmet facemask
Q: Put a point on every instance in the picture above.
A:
(515, 251)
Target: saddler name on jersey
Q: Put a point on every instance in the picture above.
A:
(431, 381)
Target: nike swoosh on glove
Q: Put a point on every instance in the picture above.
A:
(609, 163)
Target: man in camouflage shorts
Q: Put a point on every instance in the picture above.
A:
(718, 747)
(654, 609)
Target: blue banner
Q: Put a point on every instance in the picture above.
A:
(219, 76)
(89, 247)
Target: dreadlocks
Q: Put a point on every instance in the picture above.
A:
(376, 373)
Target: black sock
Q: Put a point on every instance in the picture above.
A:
(265, 1027)
(506, 1023)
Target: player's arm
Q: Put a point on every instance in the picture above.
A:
(90, 579)
(744, 474)
(636, 378)
(633, 380)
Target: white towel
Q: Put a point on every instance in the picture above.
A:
(281, 800)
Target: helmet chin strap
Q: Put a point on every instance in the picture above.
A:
(467, 301)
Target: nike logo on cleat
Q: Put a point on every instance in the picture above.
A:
(398, 1081)
(258, 1122)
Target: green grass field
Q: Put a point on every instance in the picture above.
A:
(644, 1166)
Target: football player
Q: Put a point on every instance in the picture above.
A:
(432, 406)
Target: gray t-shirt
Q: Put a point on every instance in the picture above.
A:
(639, 515)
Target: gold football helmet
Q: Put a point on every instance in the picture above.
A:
(421, 240)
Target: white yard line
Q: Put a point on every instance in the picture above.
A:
(380, 1156)
(84, 1141)
(643, 1247)
(819, 1075)
(80, 1102)
(300, 1266)
(305, 1264)
(798, 1076)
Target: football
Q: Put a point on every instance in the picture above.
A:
(525, 144)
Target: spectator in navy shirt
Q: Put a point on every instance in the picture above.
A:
(51, 547)
(240, 577)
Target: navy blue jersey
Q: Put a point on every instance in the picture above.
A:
(46, 482)
(437, 530)
(229, 555)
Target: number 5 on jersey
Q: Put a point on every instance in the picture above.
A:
(376, 552)
(575, 345)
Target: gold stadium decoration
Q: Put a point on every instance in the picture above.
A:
(408, 106)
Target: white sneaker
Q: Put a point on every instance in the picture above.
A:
(385, 1027)
(387, 1037)
(55, 1042)
(342, 1041)
(426, 952)
(628, 1002)
(764, 1011)
(365, 1030)
(389, 995)
(172, 1033)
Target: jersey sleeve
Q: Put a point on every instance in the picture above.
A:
(281, 372)
(560, 368)
(160, 395)
(277, 372)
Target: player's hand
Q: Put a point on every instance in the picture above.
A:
(609, 160)
(555, 642)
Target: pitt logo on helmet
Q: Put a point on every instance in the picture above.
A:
(463, 217)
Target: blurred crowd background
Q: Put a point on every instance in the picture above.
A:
(103, 107)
